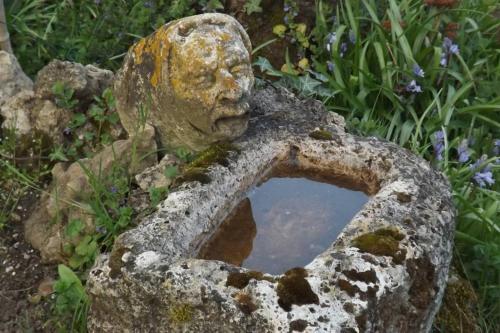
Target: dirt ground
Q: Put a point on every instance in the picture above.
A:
(25, 283)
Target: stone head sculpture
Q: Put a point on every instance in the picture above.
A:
(190, 80)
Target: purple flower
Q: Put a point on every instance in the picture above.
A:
(496, 148)
(413, 87)
(343, 49)
(418, 71)
(448, 49)
(113, 189)
(454, 49)
(447, 43)
(330, 39)
(463, 151)
(148, 4)
(483, 176)
(444, 60)
(352, 37)
(330, 66)
(97, 2)
(287, 7)
(439, 144)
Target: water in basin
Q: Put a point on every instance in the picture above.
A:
(283, 223)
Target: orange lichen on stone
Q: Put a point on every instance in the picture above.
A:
(155, 45)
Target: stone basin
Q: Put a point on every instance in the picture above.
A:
(385, 272)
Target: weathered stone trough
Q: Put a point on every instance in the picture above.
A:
(385, 272)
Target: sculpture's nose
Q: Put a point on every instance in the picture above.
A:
(231, 89)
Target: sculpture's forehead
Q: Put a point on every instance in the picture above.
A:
(211, 45)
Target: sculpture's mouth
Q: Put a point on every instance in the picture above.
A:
(231, 124)
(231, 118)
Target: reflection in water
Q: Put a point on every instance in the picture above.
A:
(232, 242)
(289, 221)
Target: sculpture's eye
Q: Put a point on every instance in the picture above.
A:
(239, 69)
(204, 80)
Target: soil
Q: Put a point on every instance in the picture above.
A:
(25, 283)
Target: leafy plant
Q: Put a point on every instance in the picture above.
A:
(422, 76)
(64, 96)
(252, 6)
(72, 303)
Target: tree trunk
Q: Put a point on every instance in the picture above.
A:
(4, 33)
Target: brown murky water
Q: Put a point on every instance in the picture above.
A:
(285, 222)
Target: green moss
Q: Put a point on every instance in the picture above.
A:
(241, 280)
(293, 288)
(321, 135)
(216, 154)
(458, 311)
(349, 288)
(181, 313)
(245, 303)
(192, 175)
(382, 242)
(197, 169)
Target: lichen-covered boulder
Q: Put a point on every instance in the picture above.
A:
(71, 189)
(190, 80)
(385, 272)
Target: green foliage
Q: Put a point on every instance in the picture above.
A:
(157, 195)
(89, 31)
(64, 96)
(94, 126)
(252, 6)
(71, 303)
(363, 66)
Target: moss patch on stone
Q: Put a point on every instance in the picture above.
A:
(245, 303)
(192, 175)
(365, 276)
(215, 154)
(197, 170)
(348, 287)
(181, 313)
(293, 288)
(423, 286)
(321, 135)
(459, 311)
(382, 242)
(298, 325)
(241, 280)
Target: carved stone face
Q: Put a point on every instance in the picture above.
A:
(211, 79)
(194, 76)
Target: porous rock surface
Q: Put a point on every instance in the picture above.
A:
(386, 272)
(190, 79)
(12, 77)
(86, 81)
(31, 110)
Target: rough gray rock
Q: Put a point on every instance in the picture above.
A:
(190, 79)
(86, 81)
(154, 177)
(386, 272)
(30, 116)
(12, 77)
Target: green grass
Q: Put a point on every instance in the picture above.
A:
(371, 64)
